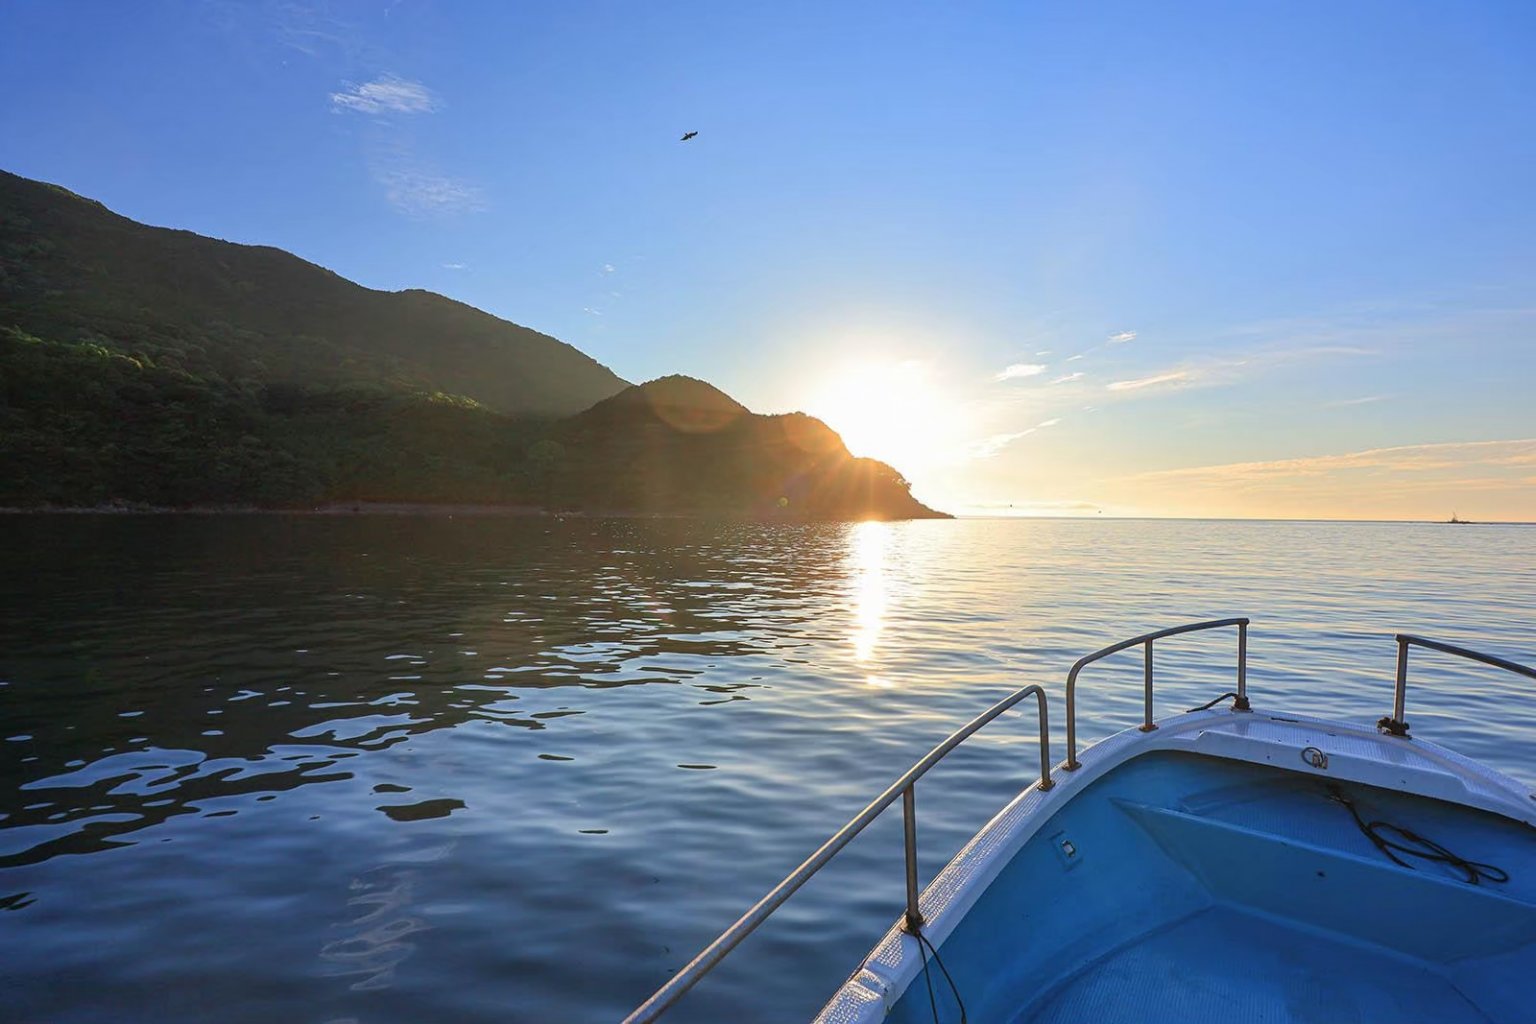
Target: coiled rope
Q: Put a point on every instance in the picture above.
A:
(1411, 844)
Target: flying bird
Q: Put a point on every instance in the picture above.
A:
(688, 136)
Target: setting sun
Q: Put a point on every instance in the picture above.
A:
(893, 412)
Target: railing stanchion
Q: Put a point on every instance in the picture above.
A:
(1395, 725)
(1046, 782)
(1147, 725)
(1072, 764)
(914, 916)
(1241, 704)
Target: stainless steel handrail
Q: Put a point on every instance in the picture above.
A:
(904, 787)
(1147, 725)
(1395, 725)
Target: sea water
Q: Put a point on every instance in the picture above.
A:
(380, 769)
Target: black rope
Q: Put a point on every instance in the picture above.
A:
(1211, 703)
(1424, 849)
(933, 1007)
(924, 947)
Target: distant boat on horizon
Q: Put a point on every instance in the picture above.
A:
(1458, 522)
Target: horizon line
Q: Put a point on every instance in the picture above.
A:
(1251, 519)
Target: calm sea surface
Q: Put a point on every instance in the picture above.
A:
(382, 770)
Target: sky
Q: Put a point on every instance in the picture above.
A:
(1183, 259)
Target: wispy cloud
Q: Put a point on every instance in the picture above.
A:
(591, 312)
(991, 446)
(1018, 370)
(312, 29)
(607, 268)
(388, 94)
(1073, 359)
(1218, 370)
(1175, 377)
(1311, 351)
(1414, 458)
(1068, 378)
(410, 182)
(422, 193)
(1482, 479)
(455, 266)
(1122, 337)
(1367, 400)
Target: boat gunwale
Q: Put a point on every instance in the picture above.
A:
(1418, 767)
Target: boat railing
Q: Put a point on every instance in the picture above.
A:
(1396, 725)
(905, 788)
(1240, 702)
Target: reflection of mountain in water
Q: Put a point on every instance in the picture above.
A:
(153, 665)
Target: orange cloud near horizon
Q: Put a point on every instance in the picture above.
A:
(1475, 479)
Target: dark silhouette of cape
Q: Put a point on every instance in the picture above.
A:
(151, 366)
(679, 444)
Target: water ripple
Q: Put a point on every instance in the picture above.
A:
(426, 769)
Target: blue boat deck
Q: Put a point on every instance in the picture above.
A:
(1224, 964)
(1185, 889)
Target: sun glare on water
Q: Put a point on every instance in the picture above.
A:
(893, 412)
(867, 561)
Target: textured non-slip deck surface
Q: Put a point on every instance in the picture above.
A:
(1226, 966)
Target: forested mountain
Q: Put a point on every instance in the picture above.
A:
(73, 271)
(145, 365)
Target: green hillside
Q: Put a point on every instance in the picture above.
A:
(150, 366)
(83, 424)
(73, 271)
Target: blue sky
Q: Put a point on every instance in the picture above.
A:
(1293, 245)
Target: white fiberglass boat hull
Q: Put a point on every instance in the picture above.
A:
(1023, 970)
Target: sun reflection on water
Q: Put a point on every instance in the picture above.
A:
(868, 562)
